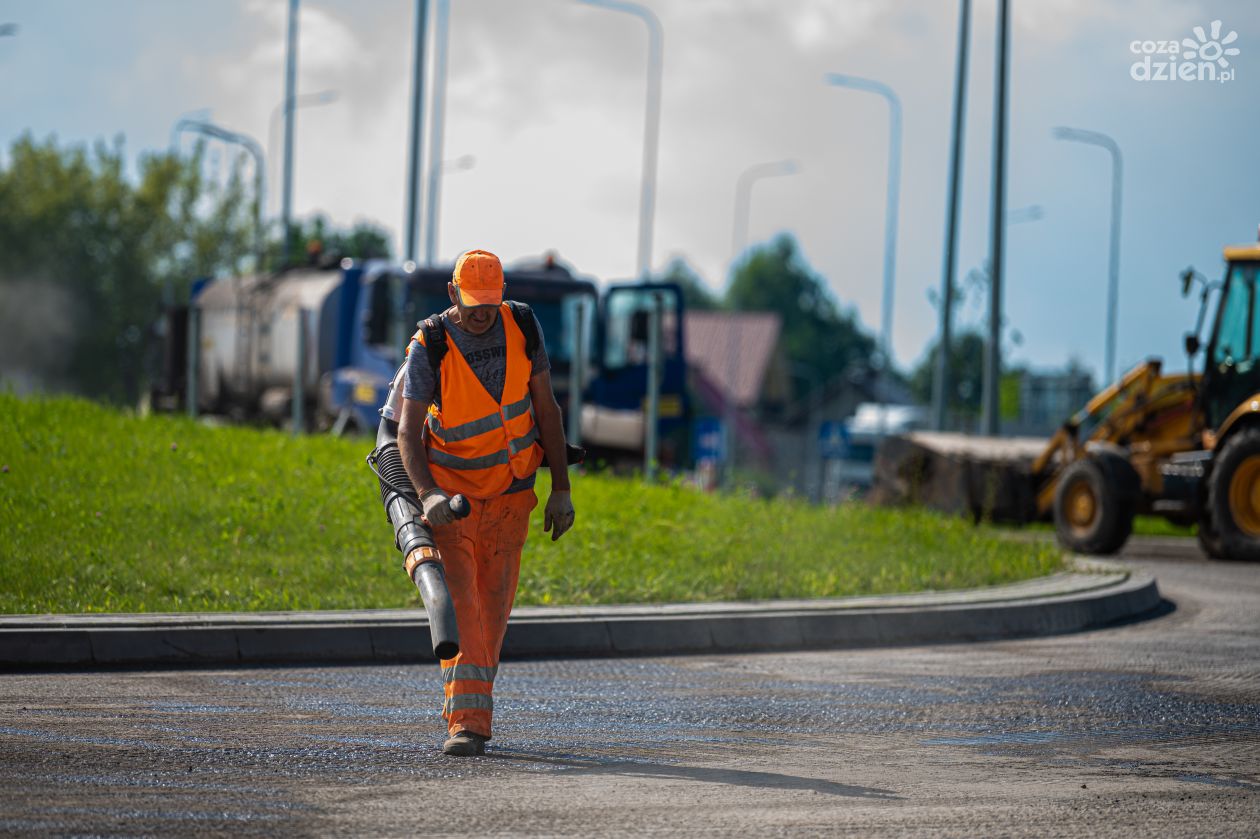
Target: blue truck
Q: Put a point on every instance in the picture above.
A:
(336, 336)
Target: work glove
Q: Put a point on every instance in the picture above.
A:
(558, 515)
(437, 507)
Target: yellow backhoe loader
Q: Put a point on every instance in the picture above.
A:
(1183, 446)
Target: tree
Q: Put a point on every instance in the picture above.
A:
(317, 238)
(85, 253)
(966, 373)
(818, 335)
(696, 295)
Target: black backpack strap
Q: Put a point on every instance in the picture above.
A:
(435, 347)
(524, 317)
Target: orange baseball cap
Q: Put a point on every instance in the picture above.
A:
(478, 279)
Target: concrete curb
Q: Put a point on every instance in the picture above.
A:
(1095, 594)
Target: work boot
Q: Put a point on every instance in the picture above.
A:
(465, 744)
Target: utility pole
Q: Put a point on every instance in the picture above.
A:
(651, 126)
(415, 158)
(441, 36)
(1095, 138)
(993, 352)
(290, 108)
(941, 385)
(890, 205)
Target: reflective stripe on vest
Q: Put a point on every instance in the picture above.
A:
(478, 426)
(476, 445)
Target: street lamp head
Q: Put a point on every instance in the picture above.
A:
(8, 29)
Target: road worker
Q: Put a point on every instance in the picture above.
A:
(476, 419)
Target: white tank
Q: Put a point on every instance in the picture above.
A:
(249, 337)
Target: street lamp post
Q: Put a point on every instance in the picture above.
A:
(739, 242)
(652, 124)
(305, 100)
(437, 114)
(448, 167)
(290, 106)
(993, 352)
(255, 151)
(890, 203)
(940, 382)
(743, 198)
(1095, 138)
(414, 156)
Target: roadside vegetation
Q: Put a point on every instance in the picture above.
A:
(104, 511)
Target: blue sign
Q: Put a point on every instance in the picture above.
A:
(833, 440)
(709, 439)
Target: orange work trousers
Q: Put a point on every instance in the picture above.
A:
(481, 555)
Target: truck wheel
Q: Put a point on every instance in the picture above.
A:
(1094, 504)
(1234, 496)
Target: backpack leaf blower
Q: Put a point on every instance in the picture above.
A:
(414, 537)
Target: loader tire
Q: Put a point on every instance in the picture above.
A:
(1094, 504)
(1234, 496)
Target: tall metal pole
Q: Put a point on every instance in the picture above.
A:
(1096, 138)
(255, 151)
(739, 243)
(299, 375)
(941, 386)
(993, 352)
(651, 127)
(290, 109)
(193, 361)
(652, 415)
(577, 372)
(323, 97)
(743, 198)
(437, 116)
(890, 201)
(414, 157)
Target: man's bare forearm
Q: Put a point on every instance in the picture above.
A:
(414, 458)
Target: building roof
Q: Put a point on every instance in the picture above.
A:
(733, 349)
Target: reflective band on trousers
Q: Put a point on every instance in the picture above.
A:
(469, 671)
(468, 701)
(485, 461)
(468, 430)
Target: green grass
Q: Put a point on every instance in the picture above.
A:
(102, 511)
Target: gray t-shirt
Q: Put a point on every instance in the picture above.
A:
(486, 354)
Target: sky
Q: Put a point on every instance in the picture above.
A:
(548, 98)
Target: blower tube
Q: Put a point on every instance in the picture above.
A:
(413, 537)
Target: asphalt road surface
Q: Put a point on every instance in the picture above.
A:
(1154, 726)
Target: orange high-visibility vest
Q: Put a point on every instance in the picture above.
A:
(477, 446)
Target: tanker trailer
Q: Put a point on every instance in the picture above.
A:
(255, 340)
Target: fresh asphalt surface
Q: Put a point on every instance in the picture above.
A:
(1153, 726)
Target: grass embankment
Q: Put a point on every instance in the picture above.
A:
(101, 511)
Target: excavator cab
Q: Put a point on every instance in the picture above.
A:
(1232, 368)
(1229, 517)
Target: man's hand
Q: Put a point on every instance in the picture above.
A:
(558, 515)
(437, 507)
